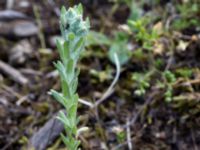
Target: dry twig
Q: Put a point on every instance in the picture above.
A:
(13, 73)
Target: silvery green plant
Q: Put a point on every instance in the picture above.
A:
(74, 30)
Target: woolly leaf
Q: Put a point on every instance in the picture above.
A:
(61, 69)
(70, 69)
(64, 139)
(80, 9)
(60, 49)
(74, 84)
(66, 89)
(66, 50)
(59, 97)
(62, 117)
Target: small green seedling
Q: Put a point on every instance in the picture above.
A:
(170, 79)
(74, 30)
(147, 38)
(141, 83)
(187, 15)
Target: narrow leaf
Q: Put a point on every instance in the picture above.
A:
(66, 89)
(66, 50)
(62, 100)
(60, 49)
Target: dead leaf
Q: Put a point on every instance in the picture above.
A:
(158, 48)
(182, 45)
(158, 27)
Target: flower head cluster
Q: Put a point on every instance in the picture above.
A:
(72, 22)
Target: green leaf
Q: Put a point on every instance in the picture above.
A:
(59, 97)
(87, 23)
(66, 89)
(62, 16)
(120, 47)
(61, 69)
(97, 38)
(74, 84)
(136, 12)
(60, 49)
(66, 50)
(73, 106)
(122, 52)
(63, 10)
(78, 45)
(80, 9)
(72, 112)
(75, 98)
(170, 77)
(63, 118)
(64, 139)
(70, 69)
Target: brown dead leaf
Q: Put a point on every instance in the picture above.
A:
(158, 27)
(182, 45)
(158, 48)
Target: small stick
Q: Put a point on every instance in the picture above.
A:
(91, 105)
(13, 73)
(128, 132)
(110, 89)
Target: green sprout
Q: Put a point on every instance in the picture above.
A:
(170, 79)
(141, 83)
(142, 34)
(74, 30)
